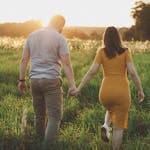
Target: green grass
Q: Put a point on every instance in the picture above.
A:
(83, 115)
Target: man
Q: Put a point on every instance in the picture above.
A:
(45, 49)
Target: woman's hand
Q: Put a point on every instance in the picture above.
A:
(141, 96)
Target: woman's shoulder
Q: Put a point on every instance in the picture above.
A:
(100, 50)
(127, 50)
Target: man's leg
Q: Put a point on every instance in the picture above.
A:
(117, 138)
(54, 118)
(54, 97)
(39, 108)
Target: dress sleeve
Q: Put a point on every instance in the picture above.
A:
(128, 56)
(98, 57)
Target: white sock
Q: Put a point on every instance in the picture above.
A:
(105, 125)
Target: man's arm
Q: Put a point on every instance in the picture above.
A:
(23, 68)
(65, 59)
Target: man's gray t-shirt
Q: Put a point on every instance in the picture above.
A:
(45, 47)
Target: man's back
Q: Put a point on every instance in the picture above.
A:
(45, 48)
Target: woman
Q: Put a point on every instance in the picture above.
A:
(114, 92)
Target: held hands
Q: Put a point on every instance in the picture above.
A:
(73, 91)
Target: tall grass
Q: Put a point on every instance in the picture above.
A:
(83, 115)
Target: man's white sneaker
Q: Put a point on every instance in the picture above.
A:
(105, 133)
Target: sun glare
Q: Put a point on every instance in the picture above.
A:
(45, 22)
(76, 12)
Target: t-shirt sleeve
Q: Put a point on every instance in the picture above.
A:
(128, 56)
(63, 47)
(26, 46)
(98, 57)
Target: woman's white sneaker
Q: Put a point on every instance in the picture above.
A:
(105, 133)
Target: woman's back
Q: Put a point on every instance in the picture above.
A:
(115, 66)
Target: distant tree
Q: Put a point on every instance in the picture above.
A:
(123, 32)
(71, 33)
(141, 14)
(82, 35)
(19, 29)
(129, 34)
(95, 36)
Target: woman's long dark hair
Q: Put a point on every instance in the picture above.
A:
(112, 42)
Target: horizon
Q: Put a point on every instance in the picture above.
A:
(71, 26)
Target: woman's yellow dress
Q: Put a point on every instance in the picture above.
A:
(115, 91)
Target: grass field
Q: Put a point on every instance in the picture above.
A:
(83, 115)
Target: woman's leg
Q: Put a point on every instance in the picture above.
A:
(107, 119)
(105, 129)
(117, 138)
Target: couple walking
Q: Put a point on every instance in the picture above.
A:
(47, 49)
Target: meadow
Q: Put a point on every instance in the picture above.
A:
(83, 115)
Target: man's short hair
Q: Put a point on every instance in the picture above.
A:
(57, 20)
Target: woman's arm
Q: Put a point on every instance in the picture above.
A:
(89, 75)
(136, 80)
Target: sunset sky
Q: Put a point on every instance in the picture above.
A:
(76, 12)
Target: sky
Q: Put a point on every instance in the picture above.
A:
(95, 13)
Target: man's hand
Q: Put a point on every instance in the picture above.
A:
(22, 87)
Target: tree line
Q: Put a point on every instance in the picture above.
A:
(139, 31)
(19, 29)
